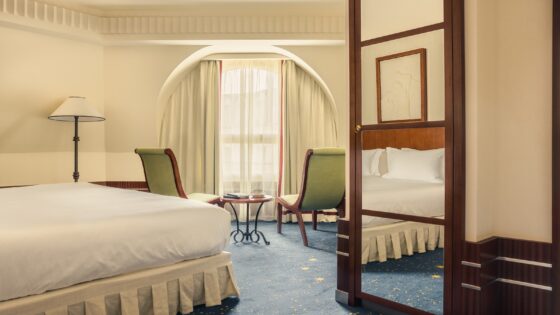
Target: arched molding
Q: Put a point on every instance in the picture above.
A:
(189, 63)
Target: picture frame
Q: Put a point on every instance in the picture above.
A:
(402, 87)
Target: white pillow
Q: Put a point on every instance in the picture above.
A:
(370, 162)
(412, 164)
(436, 151)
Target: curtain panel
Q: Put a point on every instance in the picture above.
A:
(309, 121)
(190, 127)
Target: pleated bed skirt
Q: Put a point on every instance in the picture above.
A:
(165, 290)
(392, 241)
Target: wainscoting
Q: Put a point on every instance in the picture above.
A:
(507, 276)
(343, 262)
(498, 275)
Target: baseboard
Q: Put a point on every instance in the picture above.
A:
(507, 276)
(341, 296)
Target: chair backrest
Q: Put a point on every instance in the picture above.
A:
(323, 182)
(161, 172)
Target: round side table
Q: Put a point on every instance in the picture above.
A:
(247, 235)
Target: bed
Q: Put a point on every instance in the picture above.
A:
(89, 249)
(385, 238)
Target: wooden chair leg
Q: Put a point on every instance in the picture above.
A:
(302, 228)
(279, 218)
(314, 219)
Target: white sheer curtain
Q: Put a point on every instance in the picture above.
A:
(250, 128)
(190, 127)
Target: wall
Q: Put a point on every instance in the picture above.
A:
(135, 74)
(508, 69)
(37, 72)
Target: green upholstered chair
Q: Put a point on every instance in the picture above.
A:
(163, 178)
(322, 188)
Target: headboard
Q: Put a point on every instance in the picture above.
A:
(414, 138)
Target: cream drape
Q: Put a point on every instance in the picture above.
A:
(190, 127)
(250, 129)
(309, 121)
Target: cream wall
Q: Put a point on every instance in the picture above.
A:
(37, 72)
(134, 76)
(508, 76)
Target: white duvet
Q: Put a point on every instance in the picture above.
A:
(401, 196)
(54, 236)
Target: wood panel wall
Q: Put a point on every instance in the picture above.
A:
(507, 276)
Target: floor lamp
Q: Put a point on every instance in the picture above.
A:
(75, 109)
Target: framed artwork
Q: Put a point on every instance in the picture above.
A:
(401, 87)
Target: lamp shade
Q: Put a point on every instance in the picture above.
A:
(76, 106)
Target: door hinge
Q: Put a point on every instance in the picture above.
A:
(358, 128)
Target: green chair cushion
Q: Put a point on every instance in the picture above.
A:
(159, 171)
(203, 197)
(325, 179)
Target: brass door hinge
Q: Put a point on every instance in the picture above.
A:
(358, 128)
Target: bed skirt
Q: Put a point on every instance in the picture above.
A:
(391, 241)
(160, 291)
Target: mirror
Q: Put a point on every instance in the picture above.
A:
(386, 17)
(404, 262)
(403, 152)
(403, 80)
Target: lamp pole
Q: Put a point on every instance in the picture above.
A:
(76, 174)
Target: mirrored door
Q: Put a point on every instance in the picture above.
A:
(404, 161)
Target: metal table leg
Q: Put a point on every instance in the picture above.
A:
(237, 231)
(256, 231)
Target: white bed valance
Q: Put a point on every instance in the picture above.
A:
(159, 291)
(395, 240)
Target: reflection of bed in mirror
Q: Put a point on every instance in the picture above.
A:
(385, 190)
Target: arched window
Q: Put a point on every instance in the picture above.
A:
(250, 126)
(244, 125)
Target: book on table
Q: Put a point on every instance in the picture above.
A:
(236, 195)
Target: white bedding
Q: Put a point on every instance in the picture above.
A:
(401, 196)
(54, 236)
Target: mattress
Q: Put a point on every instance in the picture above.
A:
(401, 196)
(55, 236)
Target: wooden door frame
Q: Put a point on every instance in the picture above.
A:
(455, 139)
(556, 154)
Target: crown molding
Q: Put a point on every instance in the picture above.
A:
(50, 19)
(55, 19)
(191, 26)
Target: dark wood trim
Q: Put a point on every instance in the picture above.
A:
(343, 227)
(556, 155)
(412, 32)
(496, 269)
(132, 185)
(176, 173)
(414, 138)
(423, 92)
(523, 249)
(403, 217)
(422, 124)
(355, 155)
(342, 264)
(15, 186)
(454, 11)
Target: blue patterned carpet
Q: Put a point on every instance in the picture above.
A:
(288, 278)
